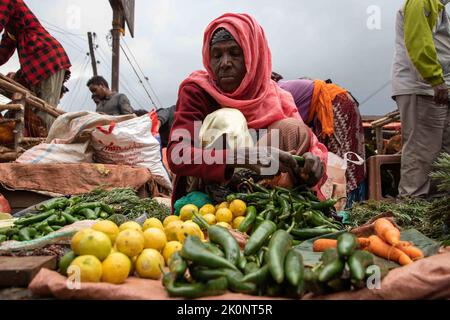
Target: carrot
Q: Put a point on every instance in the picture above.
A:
(382, 249)
(321, 245)
(387, 231)
(413, 252)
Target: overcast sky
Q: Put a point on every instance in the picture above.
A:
(343, 40)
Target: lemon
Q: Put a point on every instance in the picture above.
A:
(152, 223)
(94, 243)
(237, 222)
(130, 225)
(170, 219)
(170, 248)
(222, 205)
(88, 268)
(238, 208)
(107, 227)
(172, 229)
(224, 224)
(130, 242)
(189, 228)
(224, 215)
(207, 209)
(116, 268)
(210, 218)
(149, 264)
(77, 237)
(154, 238)
(187, 212)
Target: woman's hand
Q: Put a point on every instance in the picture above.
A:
(313, 169)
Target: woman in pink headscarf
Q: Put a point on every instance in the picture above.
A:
(238, 81)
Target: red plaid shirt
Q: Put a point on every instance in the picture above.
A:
(40, 54)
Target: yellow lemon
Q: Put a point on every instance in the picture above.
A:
(154, 238)
(170, 219)
(187, 212)
(222, 205)
(172, 229)
(149, 264)
(238, 208)
(86, 269)
(130, 242)
(116, 268)
(224, 224)
(207, 209)
(94, 243)
(224, 215)
(189, 228)
(130, 225)
(237, 222)
(107, 227)
(210, 218)
(170, 248)
(77, 237)
(152, 223)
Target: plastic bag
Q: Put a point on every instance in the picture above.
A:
(130, 143)
(336, 185)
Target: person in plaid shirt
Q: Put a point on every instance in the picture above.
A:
(44, 65)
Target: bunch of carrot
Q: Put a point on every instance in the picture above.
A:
(385, 243)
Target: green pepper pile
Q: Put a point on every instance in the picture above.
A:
(298, 211)
(340, 269)
(267, 266)
(53, 215)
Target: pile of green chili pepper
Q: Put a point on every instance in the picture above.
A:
(340, 269)
(53, 215)
(268, 265)
(298, 211)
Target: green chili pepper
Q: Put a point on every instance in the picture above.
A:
(200, 273)
(236, 283)
(249, 219)
(225, 239)
(237, 196)
(97, 211)
(103, 215)
(332, 270)
(257, 239)
(258, 222)
(279, 245)
(217, 285)
(214, 249)
(60, 221)
(24, 234)
(317, 219)
(346, 244)
(177, 265)
(250, 267)
(69, 218)
(323, 204)
(329, 256)
(190, 291)
(89, 214)
(358, 263)
(90, 205)
(242, 262)
(258, 187)
(309, 233)
(259, 276)
(56, 203)
(56, 228)
(294, 268)
(194, 250)
(46, 230)
(110, 211)
(35, 218)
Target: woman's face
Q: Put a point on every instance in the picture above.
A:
(228, 64)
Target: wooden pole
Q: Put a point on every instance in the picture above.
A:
(117, 26)
(92, 54)
(20, 118)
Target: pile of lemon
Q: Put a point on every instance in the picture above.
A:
(108, 253)
(229, 215)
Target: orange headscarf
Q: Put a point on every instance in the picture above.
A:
(322, 105)
(258, 97)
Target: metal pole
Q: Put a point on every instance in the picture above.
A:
(117, 25)
(92, 54)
